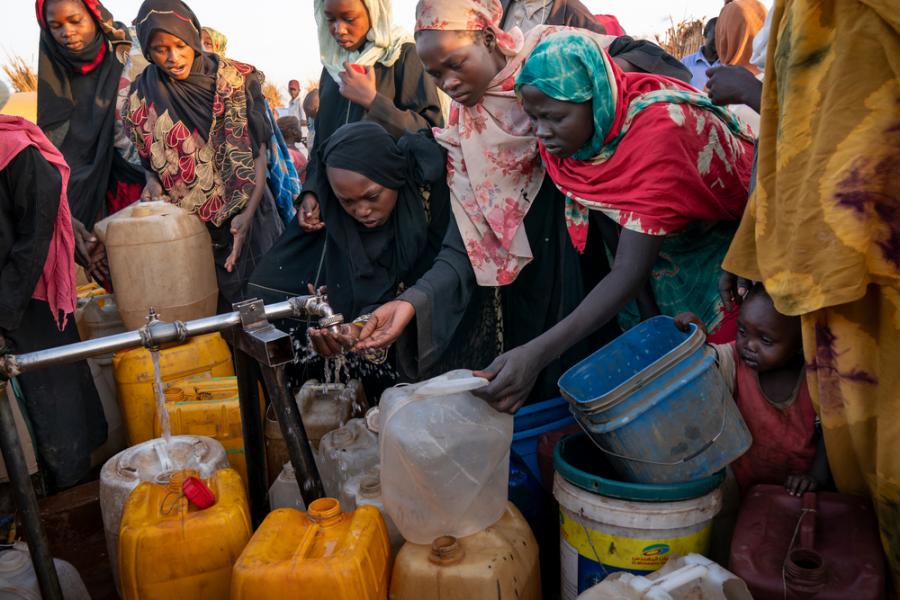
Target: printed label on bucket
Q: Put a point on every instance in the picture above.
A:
(579, 554)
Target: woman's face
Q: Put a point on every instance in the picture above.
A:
(71, 25)
(563, 128)
(172, 55)
(207, 41)
(366, 201)
(462, 63)
(348, 22)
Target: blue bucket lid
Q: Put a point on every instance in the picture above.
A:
(579, 462)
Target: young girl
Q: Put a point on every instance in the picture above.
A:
(764, 369)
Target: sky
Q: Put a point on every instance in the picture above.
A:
(279, 36)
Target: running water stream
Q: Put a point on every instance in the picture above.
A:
(161, 408)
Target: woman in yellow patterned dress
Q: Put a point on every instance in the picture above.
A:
(822, 230)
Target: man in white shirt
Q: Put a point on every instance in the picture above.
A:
(295, 106)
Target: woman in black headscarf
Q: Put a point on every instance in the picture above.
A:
(83, 56)
(200, 125)
(387, 206)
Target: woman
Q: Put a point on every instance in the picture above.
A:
(37, 299)
(81, 68)
(393, 91)
(387, 214)
(200, 124)
(654, 155)
(822, 230)
(214, 41)
(508, 237)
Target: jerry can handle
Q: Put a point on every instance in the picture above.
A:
(808, 521)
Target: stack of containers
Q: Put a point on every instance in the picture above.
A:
(659, 429)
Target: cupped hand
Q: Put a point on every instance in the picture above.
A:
(385, 325)
(327, 343)
(512, 376)
(309, 215)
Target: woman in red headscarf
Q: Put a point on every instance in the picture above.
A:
(37, 299)
(83, 65)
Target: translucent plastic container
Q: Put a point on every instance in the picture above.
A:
(152, 461)
(204, 355)
(150, 243)
(18, 581)
(169, 549)
(499, 562)
(320, 554)
(285, 493)
(327, 406)
(444, 458)
(346, 453)
(691, 577)
(365, 490)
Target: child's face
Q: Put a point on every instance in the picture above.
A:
(462, 64)
(766, 339)
(366, 201)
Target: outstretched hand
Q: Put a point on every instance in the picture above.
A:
(731, 84)
(733, 290)
(512, 376)
(385, 325)
(684, 320)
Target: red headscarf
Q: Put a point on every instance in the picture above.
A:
(56, 285)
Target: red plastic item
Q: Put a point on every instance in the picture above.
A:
(358, 68)
(198, 493)
(835, 555)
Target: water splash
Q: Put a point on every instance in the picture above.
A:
(161, 408)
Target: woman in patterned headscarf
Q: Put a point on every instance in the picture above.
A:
(508, 238)
(214, 41)
(200, 125)
(81, 69)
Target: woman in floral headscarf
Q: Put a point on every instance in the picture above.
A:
(509, 235)
(200, 125)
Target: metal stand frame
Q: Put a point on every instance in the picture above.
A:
(261, 352)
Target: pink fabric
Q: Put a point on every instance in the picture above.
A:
(610, 24)
(56, 285)
(494, 167)
(468, 15)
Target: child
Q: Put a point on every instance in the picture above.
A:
(311, 108)
(290, 129)
(765, 371)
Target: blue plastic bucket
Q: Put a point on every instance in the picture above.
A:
(653, 400)
(533, 421)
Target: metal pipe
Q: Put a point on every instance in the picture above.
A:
(26, 501)
(157, 333)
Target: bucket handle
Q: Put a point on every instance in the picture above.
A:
(683, 460)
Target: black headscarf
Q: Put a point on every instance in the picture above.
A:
(189, 101)
(367, 265)
(649, 58)
(76, 105)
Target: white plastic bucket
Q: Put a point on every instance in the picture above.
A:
(601, 535)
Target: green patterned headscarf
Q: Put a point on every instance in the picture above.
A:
(570, 67)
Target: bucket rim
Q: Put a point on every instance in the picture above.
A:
(694, 341)
(625, 490)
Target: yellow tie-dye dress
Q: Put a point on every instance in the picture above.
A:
(822, 230)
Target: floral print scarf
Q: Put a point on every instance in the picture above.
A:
(212, 177)
(494, 167)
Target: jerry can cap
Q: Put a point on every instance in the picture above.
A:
(198, 493)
